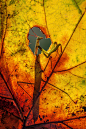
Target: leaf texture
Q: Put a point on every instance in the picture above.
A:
(43, 93)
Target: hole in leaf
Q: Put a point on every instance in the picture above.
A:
(44, 43)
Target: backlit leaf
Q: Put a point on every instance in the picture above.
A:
(60, 101)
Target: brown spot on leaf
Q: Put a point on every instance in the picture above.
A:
(61, 64)
(64, 39)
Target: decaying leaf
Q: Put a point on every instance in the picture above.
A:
(60, 100)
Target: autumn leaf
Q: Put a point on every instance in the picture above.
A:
(60, 100)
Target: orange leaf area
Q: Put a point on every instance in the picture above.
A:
(35, 91)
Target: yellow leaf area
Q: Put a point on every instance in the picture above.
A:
(62, 90)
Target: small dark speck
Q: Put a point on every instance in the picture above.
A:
(44, 89)
(8, 15)
(16, 75)
(11, 103)
(26, 65)
(84, 108)
(26, 100)
(47, 78)
(29, 108)
(44, 128)
(47, 120)
(15, 70)
(6, 112)
(13, 127)
(39, 116)
(73, 114)
(40, 119)
(43, 116)
(56, 106)
(54, 112)
(66, 107)
(77, 111)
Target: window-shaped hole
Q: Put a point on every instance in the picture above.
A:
(32, 36)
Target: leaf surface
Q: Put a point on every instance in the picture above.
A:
(62, 95)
